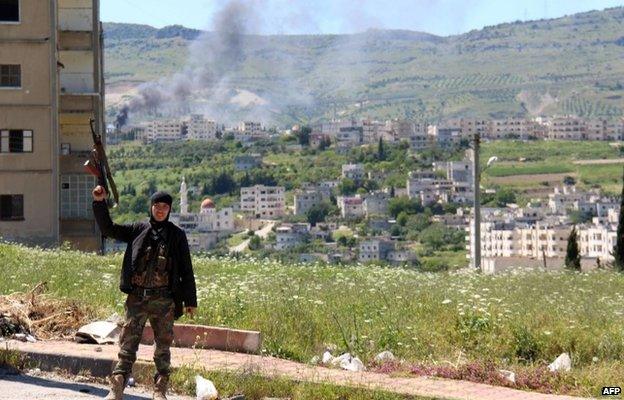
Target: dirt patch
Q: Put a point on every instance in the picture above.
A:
(35, 313)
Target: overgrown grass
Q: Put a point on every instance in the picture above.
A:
(256, 387)
(515, 319)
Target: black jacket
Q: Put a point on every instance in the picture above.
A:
(183, 280)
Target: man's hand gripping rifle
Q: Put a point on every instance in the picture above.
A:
(97, 164)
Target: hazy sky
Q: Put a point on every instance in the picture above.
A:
(441, 17)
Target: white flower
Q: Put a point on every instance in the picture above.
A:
(446, 301)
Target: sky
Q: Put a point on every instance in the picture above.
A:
(440, 17)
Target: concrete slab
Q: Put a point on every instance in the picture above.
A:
(78, 355)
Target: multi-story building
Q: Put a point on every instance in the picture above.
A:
(372, 131)
(355, 172)
(290, 235)
(568, 128)
(164, 131)
(376, 203)
(263, 201)
(444, 136)
(200, 128)
(529, 234)
(250, 128)
(51, 85)
(305, 200)
(375, 250)
(520, 128)
(351, 207)
(347, 138)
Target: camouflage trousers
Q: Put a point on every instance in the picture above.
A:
(159, 310)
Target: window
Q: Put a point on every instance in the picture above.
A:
(76, 196)
(11, 207)
(9, 11)
(16, 141)
(10, 75)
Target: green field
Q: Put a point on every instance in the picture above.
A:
(519, 321)
(534, 158)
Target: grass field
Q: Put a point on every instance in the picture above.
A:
(517, 321)
(529, 165)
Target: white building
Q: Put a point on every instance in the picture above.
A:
(505, 236)
(164, 131)
(263, 201)
(250, 128)
(200, 128)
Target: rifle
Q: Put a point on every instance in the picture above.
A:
(97, 164)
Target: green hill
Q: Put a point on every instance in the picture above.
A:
(565, 65)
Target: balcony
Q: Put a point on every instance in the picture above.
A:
(75, 41)
(79, 102)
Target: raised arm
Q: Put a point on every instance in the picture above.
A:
(125, 233)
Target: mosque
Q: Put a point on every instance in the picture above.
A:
(205, 228)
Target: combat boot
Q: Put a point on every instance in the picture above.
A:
(160, 387)
(117, 383)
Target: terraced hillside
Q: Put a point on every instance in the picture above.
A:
(566, 65)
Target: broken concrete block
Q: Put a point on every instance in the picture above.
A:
(561, 363)
(205, 389)
(509, 375)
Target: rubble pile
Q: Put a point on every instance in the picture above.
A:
(35, 314)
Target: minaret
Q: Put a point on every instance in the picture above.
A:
(183, 197)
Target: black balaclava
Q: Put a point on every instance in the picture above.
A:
(160, 197)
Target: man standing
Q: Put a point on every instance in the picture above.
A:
(158, 277)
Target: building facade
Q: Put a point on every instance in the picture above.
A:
(51, 85)
(263, 201)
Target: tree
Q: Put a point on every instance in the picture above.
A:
(402, 218)
(303, 135)
(381, 154)
(397, 205)
(569, 180)
(255, 243)
(347, 187)
(573, 256)
(317, 213)
(618, 250)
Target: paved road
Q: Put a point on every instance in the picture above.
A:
(48, 386)
(263, 233)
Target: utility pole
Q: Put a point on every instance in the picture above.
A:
(477, 202)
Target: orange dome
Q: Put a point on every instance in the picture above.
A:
(207, 203)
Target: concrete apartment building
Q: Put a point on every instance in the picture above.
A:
(200, 128)
(355, 172)
(51, 84)
(305, 200)
(263, 201)
(164, 131)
